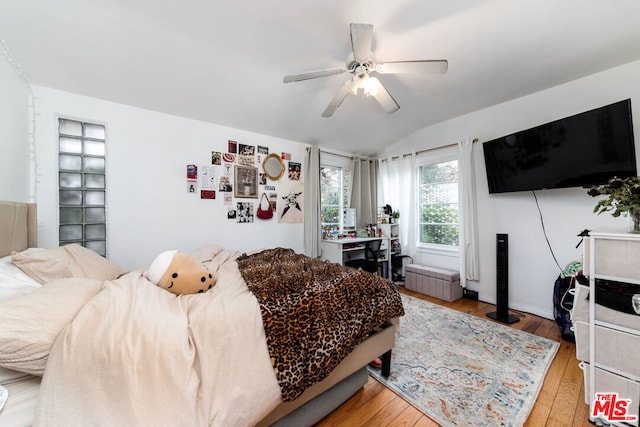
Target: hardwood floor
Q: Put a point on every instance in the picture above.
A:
(560, 402)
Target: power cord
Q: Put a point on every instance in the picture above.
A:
(544, 231)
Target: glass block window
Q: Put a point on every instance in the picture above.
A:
(438, 203)
(82, 184)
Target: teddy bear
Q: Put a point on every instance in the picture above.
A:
(180, 273)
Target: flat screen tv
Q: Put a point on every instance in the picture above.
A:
(578, 151)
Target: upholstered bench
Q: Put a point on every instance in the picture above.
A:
(433, 281)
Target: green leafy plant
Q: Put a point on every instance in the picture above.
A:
(623, 195)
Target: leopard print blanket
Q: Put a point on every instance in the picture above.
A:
(314, 312)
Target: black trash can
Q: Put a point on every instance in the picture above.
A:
(397, 266)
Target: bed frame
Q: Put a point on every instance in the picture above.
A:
(18, 227)
(348, 374)
(18, 231)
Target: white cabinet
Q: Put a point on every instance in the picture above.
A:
(612, 365)
(391, 232)
(396, 259)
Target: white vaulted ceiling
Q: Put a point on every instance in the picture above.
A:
(223, 61)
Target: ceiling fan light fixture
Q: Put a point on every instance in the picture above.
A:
(366, 83)
(358, 82)
(369, 86)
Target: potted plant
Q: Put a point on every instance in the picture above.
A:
(623, 196)
(395, 215)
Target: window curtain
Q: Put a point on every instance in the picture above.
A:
(364, 190)
(312, 224)
(399, 191)
(469, 259)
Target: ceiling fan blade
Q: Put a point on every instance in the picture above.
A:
(384, 98)
(313, 75)
(361, 39)
(340, 96)
(438, 66)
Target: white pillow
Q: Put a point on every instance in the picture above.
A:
(9, 269)
(13, 281)
(10, 286)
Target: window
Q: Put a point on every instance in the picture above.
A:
(334, 189)
(438, 203)
(82, 184)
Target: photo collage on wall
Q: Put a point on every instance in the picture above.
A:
(236, 177)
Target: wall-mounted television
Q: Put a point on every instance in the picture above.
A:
(578, 151)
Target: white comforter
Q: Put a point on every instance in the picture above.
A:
(137, 355)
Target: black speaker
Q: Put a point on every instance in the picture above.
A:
(502, 281)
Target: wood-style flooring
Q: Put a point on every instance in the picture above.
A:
(560, 402)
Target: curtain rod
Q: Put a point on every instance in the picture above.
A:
(346, 156)
(337, 154)
(428, 149)
(394, 157)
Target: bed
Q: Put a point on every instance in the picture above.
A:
(107, 347)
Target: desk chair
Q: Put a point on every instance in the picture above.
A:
(370, 261)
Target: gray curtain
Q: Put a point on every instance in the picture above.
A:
(364, 190)
(312, 225)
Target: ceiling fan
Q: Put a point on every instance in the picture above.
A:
(361, 65)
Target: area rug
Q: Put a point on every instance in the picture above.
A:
(462, 370)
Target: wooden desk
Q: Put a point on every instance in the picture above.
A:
(341, 250)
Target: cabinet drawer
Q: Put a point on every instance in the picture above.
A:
(616, 349)
(606, 382)
(614, 257)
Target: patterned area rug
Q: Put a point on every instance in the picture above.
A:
(461, 370)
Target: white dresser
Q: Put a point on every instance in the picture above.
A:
(608, 340)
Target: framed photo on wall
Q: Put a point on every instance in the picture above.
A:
(246, 182)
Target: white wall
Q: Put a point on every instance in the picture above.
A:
(566, 212)
(148, 207)
(14, 135)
